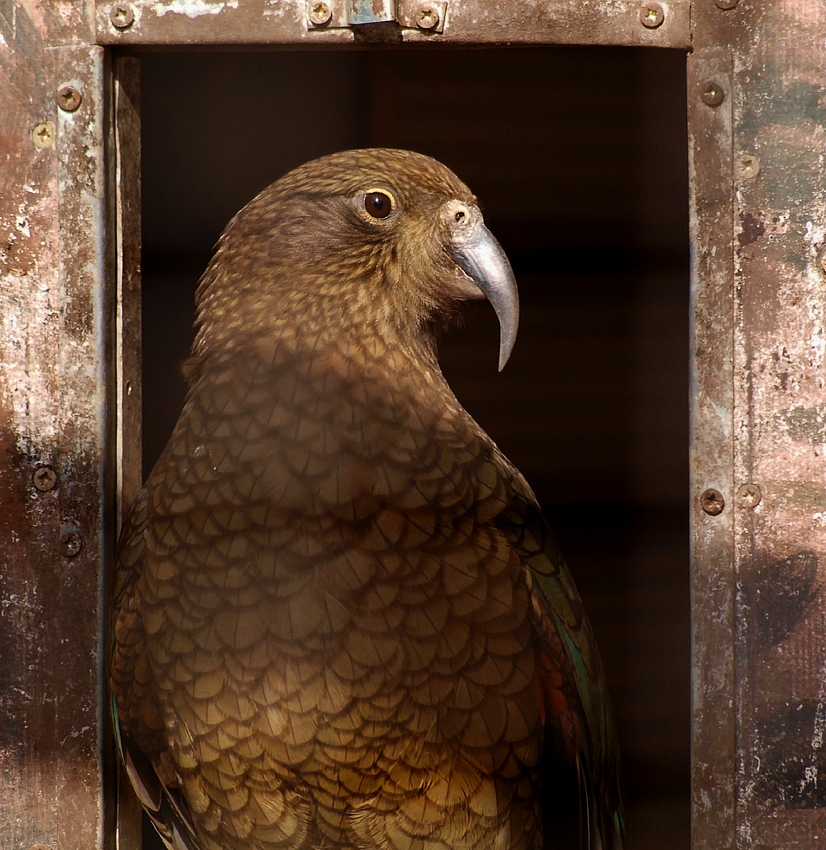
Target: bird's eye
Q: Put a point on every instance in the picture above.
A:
(378, 204)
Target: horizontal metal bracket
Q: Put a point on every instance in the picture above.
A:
(205, 23)
(425, 15)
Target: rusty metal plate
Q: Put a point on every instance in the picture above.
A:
(760, 426)
(712, 411)
(325, 22)
(780, 424)
(53, 424)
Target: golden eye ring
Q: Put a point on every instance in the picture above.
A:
(379, 203)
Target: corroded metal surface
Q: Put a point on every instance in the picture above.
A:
(713, 721)
(780, 436)
(52, 416)
(760, 633)
(466, 22)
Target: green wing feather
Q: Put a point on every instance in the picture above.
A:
(597, 764)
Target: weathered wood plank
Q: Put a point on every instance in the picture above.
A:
(125, 176)
(127, 192)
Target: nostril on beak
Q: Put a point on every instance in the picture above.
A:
(458, 214)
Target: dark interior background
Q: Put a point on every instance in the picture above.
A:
(579, 157)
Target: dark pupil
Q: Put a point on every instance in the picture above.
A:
(377, 204)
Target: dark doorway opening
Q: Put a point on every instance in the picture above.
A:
(578, 155)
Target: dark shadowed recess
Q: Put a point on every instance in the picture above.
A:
(579, 158)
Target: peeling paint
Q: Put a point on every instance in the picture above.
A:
(193, 8)
(52, 410)
(752, 228)
(76, 733)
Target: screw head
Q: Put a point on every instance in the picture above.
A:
(43, 135)
(749, 496)
(121, 16)
(712, 93)
(651, 15)
(725, 5)
(747, 166)
(44, 479)
(71, 544)
(427, 17)
(712, 502)
(69, 98)
(320, 13)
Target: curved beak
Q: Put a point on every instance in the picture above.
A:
(481, 257)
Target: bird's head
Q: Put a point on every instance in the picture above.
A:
(384, 238)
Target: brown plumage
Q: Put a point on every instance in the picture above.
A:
(340, 620)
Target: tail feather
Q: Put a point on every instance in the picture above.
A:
(604, 819)
(165, 807)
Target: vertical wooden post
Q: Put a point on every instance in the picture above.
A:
(125, 181)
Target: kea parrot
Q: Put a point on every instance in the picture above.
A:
(340, 620)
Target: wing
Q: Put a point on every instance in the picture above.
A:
(581, 750)
(136, 717)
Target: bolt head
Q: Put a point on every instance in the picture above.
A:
(712, 93)
(71, 544)
(43, 135)
(747, 166)
(651, 15)
(427, 17)
(44, 479)
(712, 502)
(320, 13)
(725, 5)
(69, 98)
(121, 16)
(749, 496)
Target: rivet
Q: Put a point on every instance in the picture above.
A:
(69, 98)
(43, 134)
(44, 479)
(71, 544)
(427, 17)
(749, 495)
(320, 13)
(725, 5)
(747, 166)
(712, 502)
(121, 16)
(651, 15)
(712, 94)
